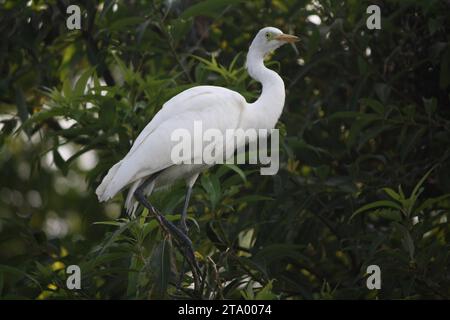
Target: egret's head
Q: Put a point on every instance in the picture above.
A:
(269, 38)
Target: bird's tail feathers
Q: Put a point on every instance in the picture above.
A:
(102, 189)
(131, 204)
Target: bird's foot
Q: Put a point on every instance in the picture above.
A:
(182, 241)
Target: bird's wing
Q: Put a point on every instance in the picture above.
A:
(188, 100)
(214, 107)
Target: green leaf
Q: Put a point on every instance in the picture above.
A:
(149, 227)
(248, 293)
(22, 109)
(18, 272)
(179, 28)
(415, 192)
(133, 276)
(109, 223)
(383, 91)
(114, 236)
(238, 170)
(43, 115)
(161, 258)
(362, 65)
(377, 204)
(107, 5)
(394, 195)
(211, 185)
(107, 114)
(216, 236)
(358, 126)
(208, 8)
(266, 292)
(80, 86)
(374, 105)
(389, 214)
(125, 23)
(407, 241)
(276, 252)
(410, 143)
(60, 162)
(429, 203)
(372, 133)
(252, 198)
(344, 115)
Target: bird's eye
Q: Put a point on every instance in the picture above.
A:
(268, 35)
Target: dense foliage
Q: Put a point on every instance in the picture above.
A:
(365, 171)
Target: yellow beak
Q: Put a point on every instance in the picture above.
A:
(287, 38)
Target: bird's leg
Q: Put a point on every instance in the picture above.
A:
(183, 225)
(184, 228)
(181, 239)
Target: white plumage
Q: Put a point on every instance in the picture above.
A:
(215, 107)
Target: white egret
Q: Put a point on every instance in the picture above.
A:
(148, 165)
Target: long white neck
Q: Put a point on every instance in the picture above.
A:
(267, 109)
